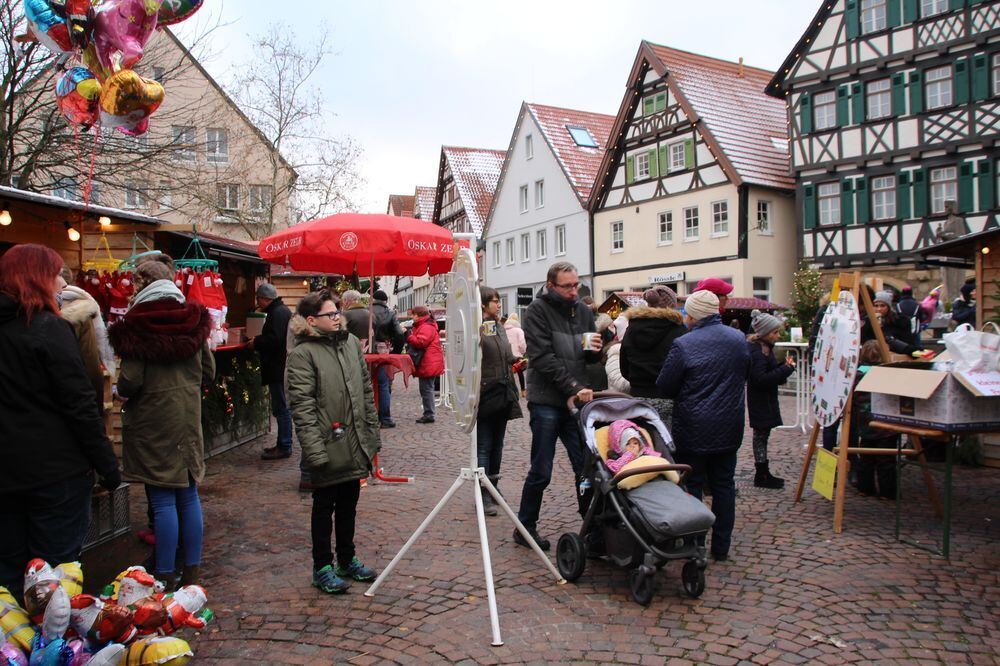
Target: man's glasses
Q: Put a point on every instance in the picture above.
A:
(331, 315)
(572, 285)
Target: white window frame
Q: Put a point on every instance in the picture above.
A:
(226, 204)
(523, 198)
(642, 166)
(873, 16)
(764, 294)
(617, 237)
(932, 7)
(540, 193)
(541, 241)
(525, 247)
(186, 136)
(878, 99)
(529, 147)
(165, 198)
(665, 228)
(136, 195)
(560, 240)
(996, 74)
(66, 187)
(825, 110)
(938, 90)
(256, 201)
(678, 160)
(944, 187)
(692, 232)
(720, 219)
(509, 246)
(765, 210)
(883, 190)
(217, 145)
(832, 208)
(497, 255)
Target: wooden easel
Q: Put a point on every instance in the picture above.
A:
(852, 282)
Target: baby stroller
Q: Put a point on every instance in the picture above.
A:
(639, 518)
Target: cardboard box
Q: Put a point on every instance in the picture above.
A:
(915, 393)
(255, 324)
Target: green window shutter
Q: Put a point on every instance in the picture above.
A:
(980, 77)
(987, 186)
(846, 202)
(910, 12)
(661, 102)
(894, 15)
(956, 4)
(858, 103)
(903, 195)
(843, 118)
(960, 81)
(853, 19)
(688, 153)
(648, 105)
(629, 169)
(916, 92)
(663, 160)
(861, 187)
(653, 172)
(919, 193)
(805, 113)
(899, 94)
(809, 207)
(966, 204)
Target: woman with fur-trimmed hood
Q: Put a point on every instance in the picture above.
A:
(162, 342)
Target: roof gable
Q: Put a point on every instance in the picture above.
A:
(423, 206)
(401, 205)
(476, 172)
(775, 87)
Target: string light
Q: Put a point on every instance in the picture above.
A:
(5, 218)
(72, 233)
(104, 220)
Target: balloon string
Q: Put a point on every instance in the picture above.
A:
(90, 173)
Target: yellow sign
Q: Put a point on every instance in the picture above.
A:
(825, 473)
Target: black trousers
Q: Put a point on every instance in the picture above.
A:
(334, 507)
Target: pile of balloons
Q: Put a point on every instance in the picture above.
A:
(101, 41)
(130, 624)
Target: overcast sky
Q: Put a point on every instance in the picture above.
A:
(409, 77)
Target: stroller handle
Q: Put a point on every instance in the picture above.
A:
(571, 402)
(683, 469)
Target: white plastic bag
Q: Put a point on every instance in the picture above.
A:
(972, 350)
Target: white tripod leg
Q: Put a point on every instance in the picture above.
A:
(491, 595)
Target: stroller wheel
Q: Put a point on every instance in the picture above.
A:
(693, 578)
(642, 586)
(571, 556)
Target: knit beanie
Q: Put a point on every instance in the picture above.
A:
(885, 297)
(379, 295)
(701, 304)
(660, 296)
(763, 323)
(967, 289)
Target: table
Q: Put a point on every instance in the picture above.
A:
(393, 363)
(803, 367)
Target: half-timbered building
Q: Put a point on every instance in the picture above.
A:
(695, 182)
(893, 114)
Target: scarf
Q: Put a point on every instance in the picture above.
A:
(156, 291)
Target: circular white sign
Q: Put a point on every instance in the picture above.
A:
(835, 359)
(465, 316)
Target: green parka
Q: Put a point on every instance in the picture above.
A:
(328, 382)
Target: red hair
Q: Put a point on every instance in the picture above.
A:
(27, 273)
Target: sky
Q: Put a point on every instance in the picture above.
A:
(408, 77)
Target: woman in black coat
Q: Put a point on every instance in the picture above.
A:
(766, 375)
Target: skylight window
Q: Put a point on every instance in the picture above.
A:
(581, 136)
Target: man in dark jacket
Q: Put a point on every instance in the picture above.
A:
(356, 317)
(555, 325)
(706, 373)
(909, 309)
(272, 347)
(389, 338)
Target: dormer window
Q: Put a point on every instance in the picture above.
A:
(581, 136)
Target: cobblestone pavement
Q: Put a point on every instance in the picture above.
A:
(792, 591)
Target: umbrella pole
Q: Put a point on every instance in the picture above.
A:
(371, 304)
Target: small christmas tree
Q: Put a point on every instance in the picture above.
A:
(807, 289)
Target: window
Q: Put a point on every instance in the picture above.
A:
(229, 196)
(665, 228)
(510, 251)
(762, 288)
(525, 247)
(996, 74)
(581, 136)
(95, 193)
(691, 224)
(539, 193)
(217, 145)
(497, 259)
(65, 188)
(136, 195)
(937, 87)
(541, 240)
(825, 110)
(932, 7)
(617, 236)
(879, 99)
(164, 195)
(159, 75)
(677, 161)
(184, 140)
(524, 198)
(872, 15)
(943, 188)
(642, 165)
(828, 198)
(764, 217)
(884, 198)
(560, 240)
(720, 218)
(261, 197)
(529, 147)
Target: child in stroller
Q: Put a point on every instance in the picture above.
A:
(638, 516)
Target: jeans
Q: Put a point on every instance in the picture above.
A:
(490, 432)
(176, 509)
(427, 395)
(48, 522)
(547, 424)
(719, 468)
(334, 505)
(279, 407)
(384, 394)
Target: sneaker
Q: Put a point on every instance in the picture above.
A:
(425, 419)
(328, 581)
(356, 570)
(275, 453)
(542, 542)
(388, 423)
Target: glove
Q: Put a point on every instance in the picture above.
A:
(111, 480)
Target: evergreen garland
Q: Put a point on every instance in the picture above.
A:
(236, 402)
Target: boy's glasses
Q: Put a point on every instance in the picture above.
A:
(330, 315)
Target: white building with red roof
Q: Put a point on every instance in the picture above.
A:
(695, 182)
(539, 213)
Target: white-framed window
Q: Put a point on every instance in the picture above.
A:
(260, 198)
(944, 187)
(497, 259)
(720, 218)
(878, 98)
(539, 194)
(164, 195)
(996, 74)
(691, 224)
(560, 239)
(617, 236)
(932, 7)
(541, 241)
(529, 147)
(677, 161)
(523, 198)
(510, 251)
(825, 110)
(764, 218)
(665, 228)
(184, 142)
(65, 188)
(136, 194)
(937, 87)
(884, 198)
(762, 288)
(828, 201)
(229, 196)
(872, 16)
(525, 247)
(642, 165)
(216, 144)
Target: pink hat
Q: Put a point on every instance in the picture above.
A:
(716, 286)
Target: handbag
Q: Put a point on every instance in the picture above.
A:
(497, 398)
(416, 355)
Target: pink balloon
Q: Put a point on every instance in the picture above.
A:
(121, 30)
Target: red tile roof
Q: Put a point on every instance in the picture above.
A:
(476, 172)
(738, 114)
(579, 163)
(423, 207)
(401, 204)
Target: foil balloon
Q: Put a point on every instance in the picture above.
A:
(78, 93)
(175, 11)
(91, 618)
(51, 653)
(55, 621)
(70, 577)
(12, 655)
(40, 582)
(128, 100)
(48, 27)
(121, 30)
(78, 16)
(109, 655)
(157, 650)
(183, 608)
(15, 626)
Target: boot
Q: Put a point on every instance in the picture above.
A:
(764, 479)
(489, 504)
(190, 575)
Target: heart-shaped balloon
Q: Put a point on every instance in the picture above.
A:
(121, 30)
(175, 11)
(128, 100)
(77, 93)
(48, 27)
